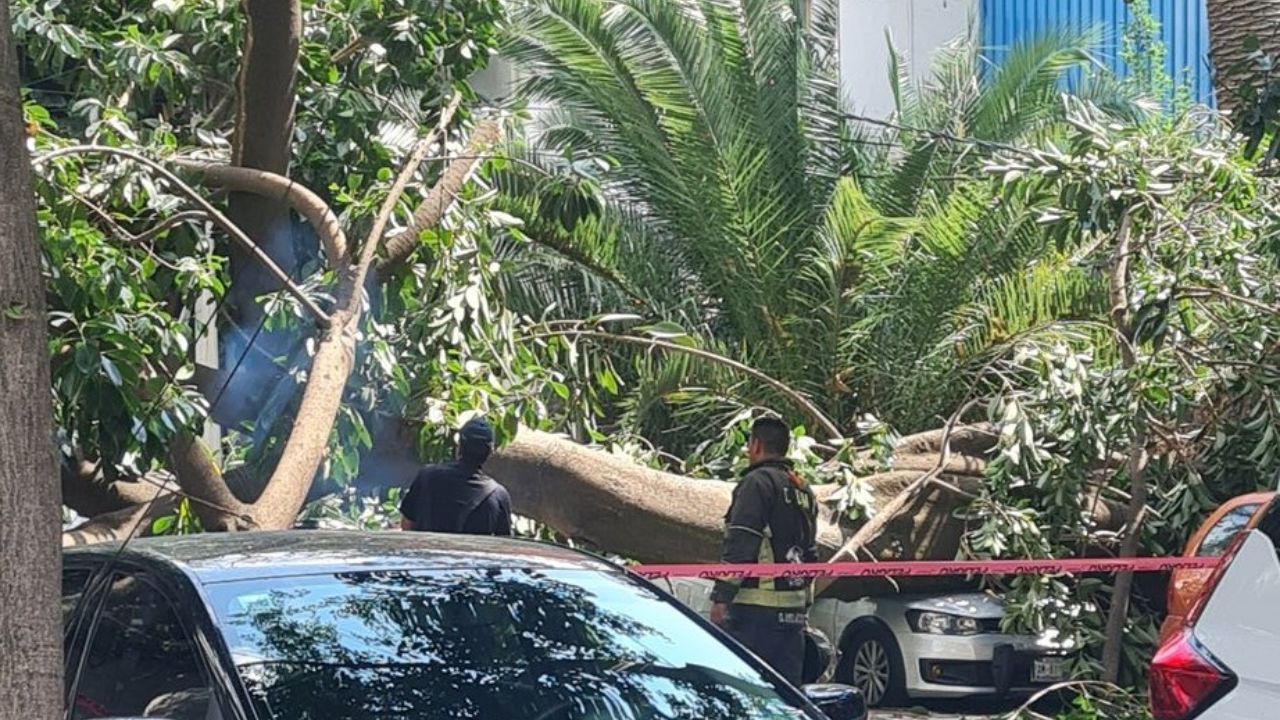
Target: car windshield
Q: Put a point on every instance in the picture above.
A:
(488, 644)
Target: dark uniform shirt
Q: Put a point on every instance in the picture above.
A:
(772, 519)
(457, 498)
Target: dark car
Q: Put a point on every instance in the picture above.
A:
(327, 625)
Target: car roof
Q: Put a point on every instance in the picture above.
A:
(221, 557)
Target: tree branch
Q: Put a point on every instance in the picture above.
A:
(437, 201)
(200, 478)
(217, 217)
(884, 515)
(308, 440)
(1136, 456)
(263, 140)
(419, 154)
(278, 188)
(120, 524)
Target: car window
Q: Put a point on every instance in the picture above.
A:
(140, 662)
(74, 581)
(1224, 531)
(555, 645)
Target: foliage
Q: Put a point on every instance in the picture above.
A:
(1194, 226)
(350, 510)
(700, 160)
(160, 77)
(370, 73)
(1093, 701)
(120, 353)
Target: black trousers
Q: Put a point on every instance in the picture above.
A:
(776, 636)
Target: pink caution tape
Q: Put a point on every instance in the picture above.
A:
(926, 568)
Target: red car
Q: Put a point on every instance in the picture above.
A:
(1211, 540)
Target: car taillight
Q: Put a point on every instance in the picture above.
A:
(1185, 679)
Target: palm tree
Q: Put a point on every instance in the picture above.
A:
(1237, 30)
(865, 265)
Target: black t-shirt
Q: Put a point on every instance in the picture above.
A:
(441, 494)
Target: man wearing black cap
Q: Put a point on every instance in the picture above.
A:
(457, 497)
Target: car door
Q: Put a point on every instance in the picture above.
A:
(1240, 628)
(77, 601)
(138, 658)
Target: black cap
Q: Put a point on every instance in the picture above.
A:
(476, 430)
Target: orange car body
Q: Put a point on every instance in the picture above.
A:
(1211, 540)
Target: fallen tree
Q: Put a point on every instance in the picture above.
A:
(610, 502)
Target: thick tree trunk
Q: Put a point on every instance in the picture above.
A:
(1231, 24)
(264, 140)
(652, 516)
(30, 506)
(85, 491)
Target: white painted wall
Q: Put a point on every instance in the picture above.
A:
(918, 29)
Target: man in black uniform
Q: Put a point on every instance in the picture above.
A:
(773, 518)
(457, 497)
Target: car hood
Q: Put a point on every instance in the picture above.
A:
(972, 605)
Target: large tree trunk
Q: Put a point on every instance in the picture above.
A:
(264, 140)
(616, 505)
(1231, 24)
(30, 506)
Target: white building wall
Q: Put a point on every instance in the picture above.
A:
(918, 28)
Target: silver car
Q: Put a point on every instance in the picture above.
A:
(900, 647)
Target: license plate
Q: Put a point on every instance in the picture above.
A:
(1049, 670)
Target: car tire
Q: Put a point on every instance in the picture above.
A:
(871, 661)
(817, 657)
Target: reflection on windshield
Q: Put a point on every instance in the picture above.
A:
(560, 645)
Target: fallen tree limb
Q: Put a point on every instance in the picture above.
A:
(131, 521)
(89, 494)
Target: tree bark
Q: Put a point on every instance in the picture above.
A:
(85, 491)
(1136, 455)
(1231, 23)
(653, 516)
(131, 521)
(30, 503)
(263, 140)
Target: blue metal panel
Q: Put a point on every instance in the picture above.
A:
(1184, 29)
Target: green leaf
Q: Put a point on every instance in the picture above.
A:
(608, 381)
(664, 330)
(113, 372)
(163, 525)
(86, 358)
(612, 318)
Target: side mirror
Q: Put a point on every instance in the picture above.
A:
(838, 702)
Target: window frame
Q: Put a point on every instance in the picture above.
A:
(92, 606)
